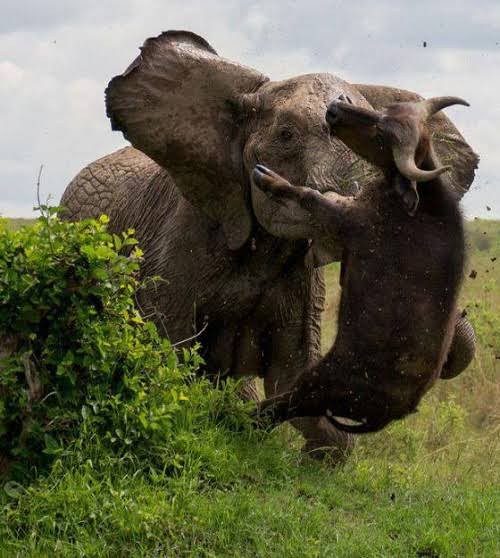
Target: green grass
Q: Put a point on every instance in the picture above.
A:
(18, 223)
(367, 509)
(428, 486)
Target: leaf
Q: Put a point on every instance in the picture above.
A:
(100, 273)
(129, 241)
(14, 489)
(118, 242)
(51, 445)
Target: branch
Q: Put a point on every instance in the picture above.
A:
(32, 379)
(38, 181)
(192, 336)
(34, 394)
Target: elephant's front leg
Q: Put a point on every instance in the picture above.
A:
(293, 344)
(321, 438)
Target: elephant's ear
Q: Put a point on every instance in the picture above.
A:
(176, 104)
(450, 146)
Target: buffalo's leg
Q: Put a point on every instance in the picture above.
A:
(293, 344)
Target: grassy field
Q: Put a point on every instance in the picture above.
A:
(428, 486)
(17, 223)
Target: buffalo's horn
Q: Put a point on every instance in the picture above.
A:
(404, 157)
(404, 153)
(435, 104)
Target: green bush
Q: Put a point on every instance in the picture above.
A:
(84, 376)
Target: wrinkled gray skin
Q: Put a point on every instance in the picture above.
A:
(199, 124)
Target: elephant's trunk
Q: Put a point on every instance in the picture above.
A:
(462, 350)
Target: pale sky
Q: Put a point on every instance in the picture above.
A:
(56, 57)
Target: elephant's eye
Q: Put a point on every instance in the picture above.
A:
(285, 134)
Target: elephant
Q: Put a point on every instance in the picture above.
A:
(403, 263)
(198, 125)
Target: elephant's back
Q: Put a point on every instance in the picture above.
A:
(93, 191)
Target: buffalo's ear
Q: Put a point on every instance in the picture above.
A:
(176, 103)
(450, 146)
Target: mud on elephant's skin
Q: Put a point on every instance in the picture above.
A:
(199, 124)
(402, 269)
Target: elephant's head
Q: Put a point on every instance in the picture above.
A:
(208, 121)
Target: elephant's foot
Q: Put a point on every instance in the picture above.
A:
(248, 390)
(322, 440)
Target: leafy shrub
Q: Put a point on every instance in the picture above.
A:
(83, 375)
